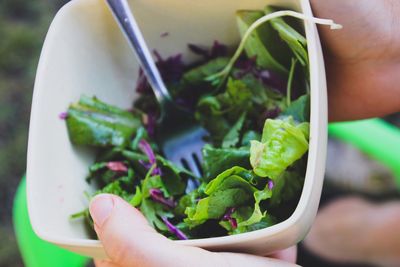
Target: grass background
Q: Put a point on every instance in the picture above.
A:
(23, 26)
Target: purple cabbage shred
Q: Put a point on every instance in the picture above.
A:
(63, 115)
(117, 166)
(246, 66)
(271, 113)
(199, 50)
(142, 86)
(270, 184)
(171, 70)
(272, 80)
(158, 196)
(268, 78)
(145, 147)
(228, 217)
(173, 229)
(150, 123)
(216, 50)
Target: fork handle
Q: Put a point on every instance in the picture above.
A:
(127, 23)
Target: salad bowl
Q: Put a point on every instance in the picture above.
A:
(85, 53)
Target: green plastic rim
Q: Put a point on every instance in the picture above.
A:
(375, 137)
(36, 252)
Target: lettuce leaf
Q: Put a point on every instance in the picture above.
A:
(257, 214)
(282, 143)
(229, 189)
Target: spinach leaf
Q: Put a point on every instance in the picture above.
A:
(95, 123)
(229, 189)
(259, 44)
(299, 109)
(214, 206)
(153, 212)
(216, 160)
(231, 178)
(296, 41)
(174, 178)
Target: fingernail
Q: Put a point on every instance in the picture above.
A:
(100, 208)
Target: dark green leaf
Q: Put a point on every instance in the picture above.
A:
(197, 75)
(232, 138)
(214, 206)
(299, 109)
(217, 160)
(92, 122)
(282, 143)
(296, 41)
(262, 43)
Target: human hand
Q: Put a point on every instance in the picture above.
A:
(353, 230)
(362, 59)
(129, 241)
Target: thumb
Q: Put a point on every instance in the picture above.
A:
(127, 237)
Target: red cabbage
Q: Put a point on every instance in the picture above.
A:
(228, 217)
(63, 115)
(145, 147)
(171, 70)
(216, 50)
(173, 229)
(158, 196)
(117, 166)
(270, 184)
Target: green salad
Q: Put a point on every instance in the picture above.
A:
(255, 105)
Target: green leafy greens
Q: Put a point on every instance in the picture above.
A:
(255, 106)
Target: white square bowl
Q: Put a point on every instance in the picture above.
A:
(85, 53)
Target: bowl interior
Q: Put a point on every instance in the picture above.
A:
(85, 53)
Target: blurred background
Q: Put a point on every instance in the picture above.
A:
(23, 25)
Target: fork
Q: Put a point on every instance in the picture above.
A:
(179, 136)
